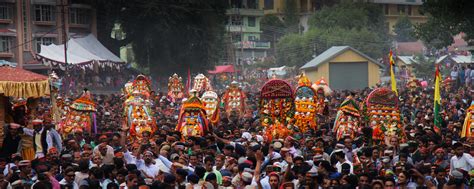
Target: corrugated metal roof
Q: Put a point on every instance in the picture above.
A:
(331, 53)
(440, 59)
(459, 59)
(408, 60)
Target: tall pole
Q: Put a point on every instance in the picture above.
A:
(241, 43)
(65, 35)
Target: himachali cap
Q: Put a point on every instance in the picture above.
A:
(53, 150)
(14, 125)
(24, 163)
(37, 121)
(318, 157)
(247, 177)
(277, 145)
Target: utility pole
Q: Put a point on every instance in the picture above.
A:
(241, 42)
(64, 31)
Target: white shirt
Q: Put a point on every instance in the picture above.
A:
(465, 162)
(339, 166)
(74, 184)
(39, 148)
(454, 74)
(152, 169)
(129, 158)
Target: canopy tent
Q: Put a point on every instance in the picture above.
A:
(82, 52)
(279, 71)
(20, 83)
(222, 69)
(7, 63)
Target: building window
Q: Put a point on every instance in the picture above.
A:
(5, 44)
(236, 3)
(43, 41)
(252, 38)
(236, 37)
(387, 9)
(401, 9)
(268, 4)
(235, 21)
(252, 4)
(44, 13)
(409, 10)
(79, 16)
(251, 21)
(6, 11)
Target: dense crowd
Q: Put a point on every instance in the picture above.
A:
(236, 155)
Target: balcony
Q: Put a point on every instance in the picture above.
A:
(236, 28)
(252, 45)
(244, 12)
(400, 2)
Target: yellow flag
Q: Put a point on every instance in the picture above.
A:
(392, 75)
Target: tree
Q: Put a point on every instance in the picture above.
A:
(424, 66)
(446, 18)
(271, 25)
(272, 28)
(170, 36)
(357, 25)
(404, 30)
(291, 17)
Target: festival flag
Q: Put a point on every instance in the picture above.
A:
(392, 75)
(437, 101)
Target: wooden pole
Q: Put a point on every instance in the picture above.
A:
(2, 119)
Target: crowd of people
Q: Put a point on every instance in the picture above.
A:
(236, 155)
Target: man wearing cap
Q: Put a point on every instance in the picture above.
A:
(11, 142)
(25, 176)
(42, 141)
(57, 141)
(341, 159)
(105, 151)
(461, 161)
(151, 168)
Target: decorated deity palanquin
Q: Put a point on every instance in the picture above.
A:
(80, 116)
(306, 105)
(234, 100)
(468, 126)
(413, 84)
(211, 105)
(202, 84)
(175, 88)
(137, 109)
(276, 103)
(192, 119)
(322, 91)
(347, 119)
(383, 115)
(277, 130)
(447, 83)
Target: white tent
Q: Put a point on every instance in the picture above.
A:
(278, 71)
(82, 52)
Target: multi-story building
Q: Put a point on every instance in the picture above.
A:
(26, 24)
(304, 9)
(394, 9)
(243, 26)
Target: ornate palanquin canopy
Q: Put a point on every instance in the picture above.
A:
(20, 83)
